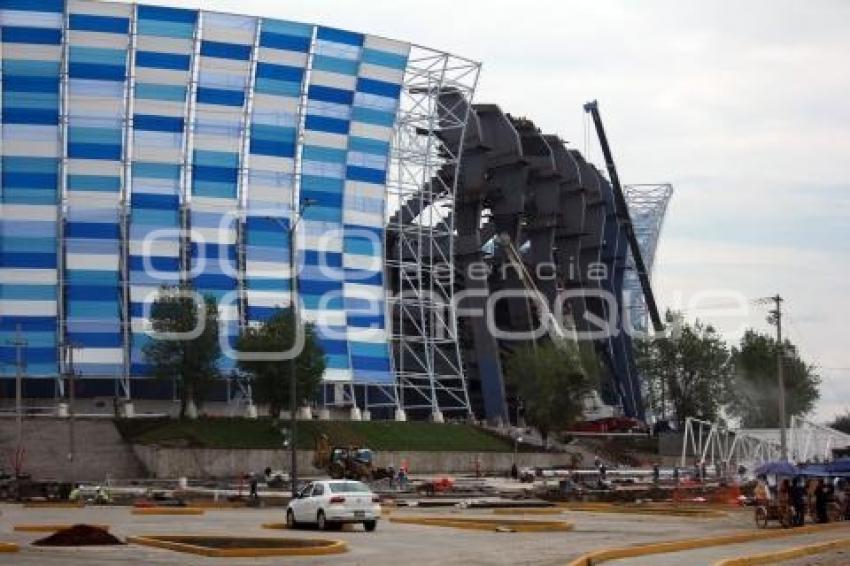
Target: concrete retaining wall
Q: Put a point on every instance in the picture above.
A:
(209, 463)
(99, 449)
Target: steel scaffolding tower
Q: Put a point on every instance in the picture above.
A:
(647, 205)
(425, 159)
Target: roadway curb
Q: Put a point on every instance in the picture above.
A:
(54, 505)
(167, 511)
(8, 547)
(528, 511)
(50, 528)
(487, 524)
(605, 554)
(693, 512)
(787, 554)
(162, 541)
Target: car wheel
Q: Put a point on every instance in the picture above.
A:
(321, 522)
(370, 525)
(291, 523)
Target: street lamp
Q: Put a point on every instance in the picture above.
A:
(293, 308)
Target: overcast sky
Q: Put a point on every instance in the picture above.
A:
(743, 106)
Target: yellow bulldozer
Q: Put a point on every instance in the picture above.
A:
(340, 462)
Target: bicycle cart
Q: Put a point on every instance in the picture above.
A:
(771, 511)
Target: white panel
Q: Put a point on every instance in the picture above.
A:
(332, 243)
(373, 335)
(337, 375)
(240, 36)
(271, 163)
(94, 199)
(282, 57)
(268, 299)
(93, 167)
(29, 52)
(28, 308)
(370, 292)
(161, 76)
(269, 194)
(325, 139)
(157, 248)
(273, 104)
(92, 261)
(216, 143)
(375, 220)
(26, 18)
(228, 312)
(97, 39)
(359, 189)
(31, 148)
(335, 80)
(381, 73)
(157, 154)
(13, 276)
(326, 317)
(159, 108)
(99, 356)
(214, 65)
(364, 262)
(164, 44)
(361, 130)
(99, 8)
(220, 115)
(214, 236)
(28, 211)
(99, 106)
(266, 269)
(384, 44)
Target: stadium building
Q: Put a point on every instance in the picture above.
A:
(149, 146)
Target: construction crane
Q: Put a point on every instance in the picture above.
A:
(592, 108)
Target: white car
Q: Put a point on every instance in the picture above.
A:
(330, 503)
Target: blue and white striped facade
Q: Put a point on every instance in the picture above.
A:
(146, 146)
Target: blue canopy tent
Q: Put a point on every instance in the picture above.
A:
(778, 468)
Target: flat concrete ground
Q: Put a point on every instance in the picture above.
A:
(391, 545)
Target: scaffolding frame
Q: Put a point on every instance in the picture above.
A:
(647, 204)
(423, 323)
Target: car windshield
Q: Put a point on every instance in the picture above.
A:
(348, 487)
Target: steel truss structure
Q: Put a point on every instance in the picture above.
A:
(713, 443)
(424, 165)
(810, 441)
(648, 207)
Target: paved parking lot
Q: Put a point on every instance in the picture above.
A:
(391, 545)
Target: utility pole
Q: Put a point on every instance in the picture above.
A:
(19, 344)
(780, 358)
(72, 374)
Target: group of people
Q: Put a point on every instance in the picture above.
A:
(798, 495)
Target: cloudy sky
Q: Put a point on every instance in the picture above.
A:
(743, 106)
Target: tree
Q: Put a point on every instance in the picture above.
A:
(687, 372)
(271, 378)
(552, 383)
(842, 423)
(755, 397)
(191, 362)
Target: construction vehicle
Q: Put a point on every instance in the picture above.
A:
(353, 462)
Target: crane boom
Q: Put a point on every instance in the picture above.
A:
(592, 108)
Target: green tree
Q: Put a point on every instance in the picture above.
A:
(192, 362)
(755, 392)
(842, 423)
(271, 378)
(687, 372)
(552, 383)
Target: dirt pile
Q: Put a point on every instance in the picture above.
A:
(79, 535)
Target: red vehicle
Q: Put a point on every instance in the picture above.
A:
(610, 424)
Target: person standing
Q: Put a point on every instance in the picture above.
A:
(798, 500)
(820, 502)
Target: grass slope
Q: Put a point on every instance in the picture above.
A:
(265, 433)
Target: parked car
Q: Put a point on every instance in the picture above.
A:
(330, 503)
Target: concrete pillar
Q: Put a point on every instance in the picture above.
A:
(251, 411)
(400, 415)
(355, 414)
(129, 410)
(305, 413)
(191, 409)
(437, 416)
(62, 410)
(324, 414)
(366, 415)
